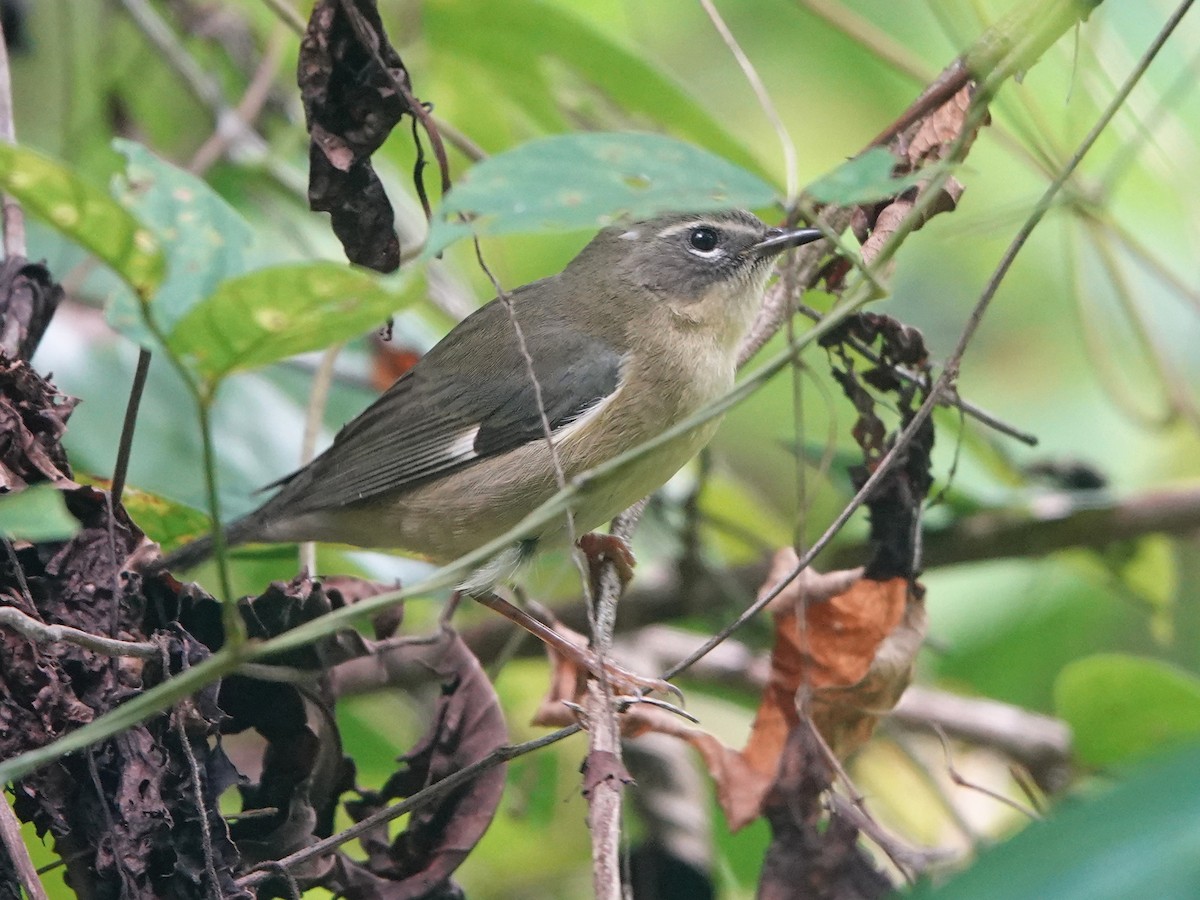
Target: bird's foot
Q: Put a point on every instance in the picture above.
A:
(577, 652)
(600, 548)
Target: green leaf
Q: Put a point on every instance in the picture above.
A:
(1141, 839)
(169, 522)
(863, 179)
(587, 180)
(541, 57)
(85, 214)
(204, 238)
(36, 514)
(1121, 707)
(280, 311)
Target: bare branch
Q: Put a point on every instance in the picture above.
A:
(13, 217)
(41, 633)
(14, 844)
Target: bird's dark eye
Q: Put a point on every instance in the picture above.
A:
(703, 238)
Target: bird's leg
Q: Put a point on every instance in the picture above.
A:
(600, 548)
(622, 680)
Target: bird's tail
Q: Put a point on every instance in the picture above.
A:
(192, 554)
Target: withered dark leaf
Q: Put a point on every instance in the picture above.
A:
(467, 726)
(29, 296)
(10, 884)
(351, 105)
(807, 858)
(33, 418)
(282, 607)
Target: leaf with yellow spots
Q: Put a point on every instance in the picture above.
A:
(167, 521)
(85, 214)
(277, 312)
(204, 238)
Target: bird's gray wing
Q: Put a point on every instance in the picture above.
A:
(469, 398)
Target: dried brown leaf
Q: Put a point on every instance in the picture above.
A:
(130, 812)
(351, 105)
(808, 857)
(33, 419)
(28, 298)
(938, 130)
(467, 726)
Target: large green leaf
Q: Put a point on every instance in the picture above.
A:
(280, 311)
(864, 179)
(36, 514)
(204, 238)
(85, 214)
(508, 46)
(584, 180)
(1121, 707)
(167, 521)
(1141, 839)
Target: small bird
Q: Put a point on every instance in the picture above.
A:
(639, 332)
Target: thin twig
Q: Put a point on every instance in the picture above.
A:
(241, 118)
(790, 163)
(10, 835)
(604, 734)
(881, 45)
(234, 627)
(125, 445)
(201, 810)
(560, 477)
(314, 416)
(604, 795)
(950, 369)
(416, 801)
(18, 570)
(890, 459)
(459, 141)
(961, 781)
(118, 860)
(13, 217)
(904, 744)
(908, 859)
(953, 400)
(41, 633)
(415, 107)
(1024, 781)
(287, 15)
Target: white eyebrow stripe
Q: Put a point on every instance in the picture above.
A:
(729, 227)
(686, 226)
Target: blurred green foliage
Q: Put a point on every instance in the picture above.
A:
(1090, 345)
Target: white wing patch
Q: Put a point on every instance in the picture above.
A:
(463, 446)
(580, 423)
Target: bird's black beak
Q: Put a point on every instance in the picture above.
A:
(779, 239)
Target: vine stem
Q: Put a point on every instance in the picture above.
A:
(13, 217)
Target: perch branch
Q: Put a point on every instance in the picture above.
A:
(10, 835)
(41, 633)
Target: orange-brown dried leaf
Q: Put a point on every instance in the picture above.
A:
(826, 656)
(389, 362)
(939, 130)
(837, 644)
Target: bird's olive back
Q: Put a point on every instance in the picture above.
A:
(677, 256)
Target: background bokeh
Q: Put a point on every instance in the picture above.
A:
(1091, 343)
